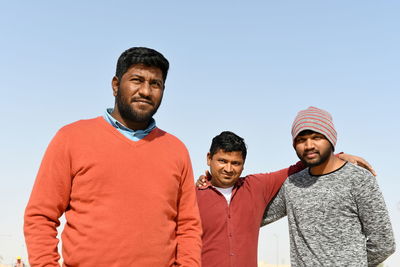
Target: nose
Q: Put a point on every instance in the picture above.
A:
(309, 144)
(145, 89)
(228, 167)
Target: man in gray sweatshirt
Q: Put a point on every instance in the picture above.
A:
(336, 213)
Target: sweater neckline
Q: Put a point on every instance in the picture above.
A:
(341, 167)
(146, 139)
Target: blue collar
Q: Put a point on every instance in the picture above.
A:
(134, 135)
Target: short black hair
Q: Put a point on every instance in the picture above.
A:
(141, 55)
(228, 142)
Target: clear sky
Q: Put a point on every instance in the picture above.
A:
(244, 66)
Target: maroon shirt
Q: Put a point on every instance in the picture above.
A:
(230, 233)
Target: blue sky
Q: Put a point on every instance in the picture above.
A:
(248, 67)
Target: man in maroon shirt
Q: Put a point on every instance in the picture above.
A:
(231, 208)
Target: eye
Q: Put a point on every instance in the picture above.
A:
(136, 80)
(318, 137)
(156, 84)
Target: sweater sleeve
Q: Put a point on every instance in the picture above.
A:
(189, 229)
(375, 219)
(273, 181)
(276, 209)
(48, 201)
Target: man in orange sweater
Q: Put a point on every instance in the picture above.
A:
(125, 186)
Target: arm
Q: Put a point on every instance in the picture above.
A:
(374, 219)
(276, 209)
(48, 201)
(356, 161)
(281, 175)
(272, 182)
(189, 230)
(202, 180)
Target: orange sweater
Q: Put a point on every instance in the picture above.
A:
(126, 203)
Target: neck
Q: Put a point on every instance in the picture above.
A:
(331, 164)
(134, 125)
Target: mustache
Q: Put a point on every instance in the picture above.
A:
(142, 99)
(306, 152)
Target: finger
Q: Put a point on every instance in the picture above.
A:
(367, 166)
(202, 179)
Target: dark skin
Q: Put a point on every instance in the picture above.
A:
(139, 91)
(226, 167)
(317, 153)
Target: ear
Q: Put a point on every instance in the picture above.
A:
(208, 158)
(115, 85)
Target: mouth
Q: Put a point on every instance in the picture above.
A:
(227, 176)
(142, 101)
(311, 155)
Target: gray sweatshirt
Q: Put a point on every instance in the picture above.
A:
(337, 219)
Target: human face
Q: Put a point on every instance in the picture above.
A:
(225, 167)
(138, 95)
(313, 148)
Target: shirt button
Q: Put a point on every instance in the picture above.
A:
(232, 254)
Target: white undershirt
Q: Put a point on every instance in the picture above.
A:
(226, 192)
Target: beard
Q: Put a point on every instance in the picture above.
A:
(322, 157)
(129, 113)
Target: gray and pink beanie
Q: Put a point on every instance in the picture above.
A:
(316, 120)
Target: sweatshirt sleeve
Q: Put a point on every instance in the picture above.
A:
(189, 229)
(375, 220)
(276, 209)
(48, 201)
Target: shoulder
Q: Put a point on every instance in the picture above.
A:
(167, 136)
(81, 125)
(169, 139)
(354, 173)
(76, 130)
(204, 196)
(358, 176)
(169, 147)
(203, 191)
(298, 176)
(350, 167)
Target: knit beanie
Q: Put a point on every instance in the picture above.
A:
(316, 120)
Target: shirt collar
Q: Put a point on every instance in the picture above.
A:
(119, 125)
(238, 183)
